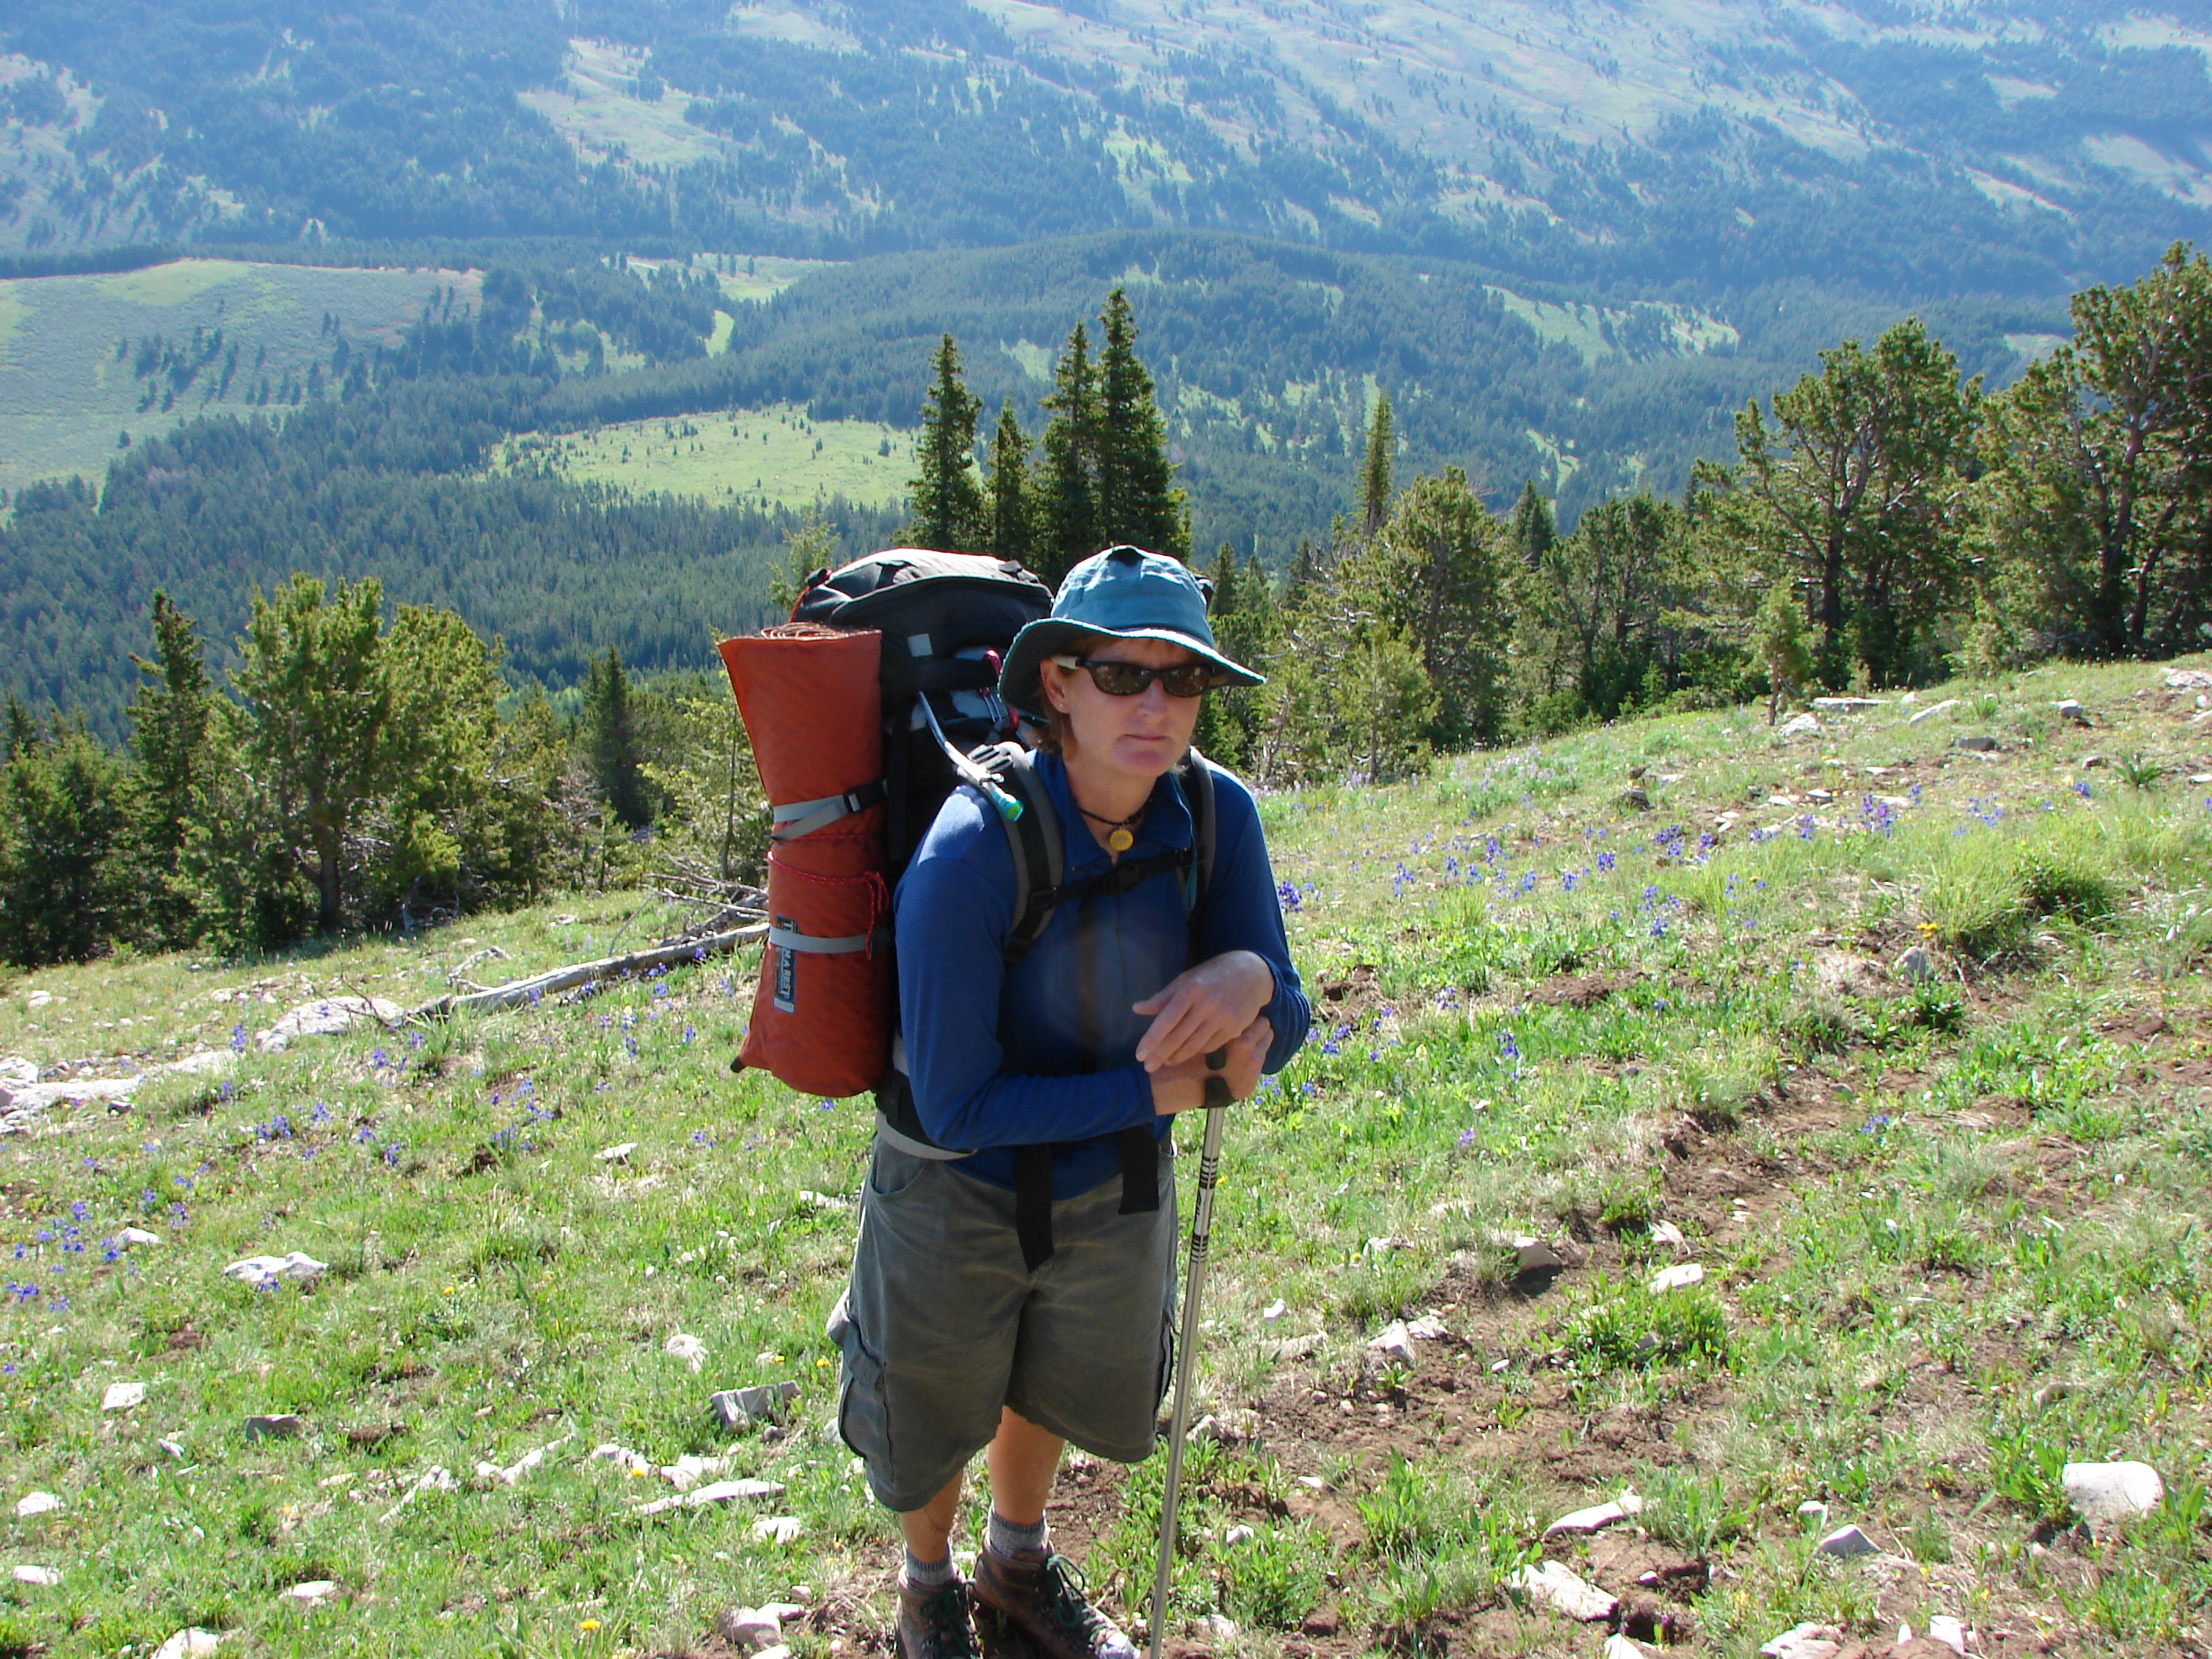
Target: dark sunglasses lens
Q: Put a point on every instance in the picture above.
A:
(1129, 679)
(1118, 679)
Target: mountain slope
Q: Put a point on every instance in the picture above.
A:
(1912, 149)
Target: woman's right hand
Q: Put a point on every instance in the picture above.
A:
(1181, 1087)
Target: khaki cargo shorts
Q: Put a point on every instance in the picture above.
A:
(941, 1324)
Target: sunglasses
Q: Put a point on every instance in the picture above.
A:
(1129, 680)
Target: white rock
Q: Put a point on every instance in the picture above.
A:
(46, 1576)
(1951, 1632)
(2102, 1493)
(1499, 1367)
(617, 1154)
(1295, 1347)
(1667, 1233)
(513, 1473)
(622, 1457)
(1932, 710)
(313, 1591)
(1237, 1536)
(688, 1471)
(814, 1201)
(2070, 709)
(1383, 1245)
(192, 1643)
(207, 1062)
(782, 1612)
(776, 1528)
(36, 1503)
(1798, 726)
(1313, 1483)
(431, 1480)
(1395, 1342)
(1812, 1513)
(1597, 1518)
(1849, 705)
(1914, 966)
(1618, 1646)
(39, 1096)
(1218, 1627)
(1551, 1585)
(751, 1627)
(777, 1651)
(2178, 680)
(175, 1448)
(16, 1072)
(131, 1235)
(1845, 1542)
(764, 1402)
(688, 1349)
(1533, 1256)
(1274, 1310)
(327, 1016)
(260, 1270)
(39, 999)
(1807, 1641)
(1679, 1277)
(722, 1491)
(1426, 1329)
(122, 1396)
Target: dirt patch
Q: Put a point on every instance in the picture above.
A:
(1580, 990)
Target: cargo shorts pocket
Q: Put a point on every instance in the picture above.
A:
(891, 1171)
(864, 1419)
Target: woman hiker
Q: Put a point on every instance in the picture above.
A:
(1022, 1296)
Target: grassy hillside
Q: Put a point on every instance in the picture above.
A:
(772, 457)
(1952, 1235)
(84, 359)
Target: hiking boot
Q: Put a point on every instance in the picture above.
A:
(934, 1623)
(1043, 1595)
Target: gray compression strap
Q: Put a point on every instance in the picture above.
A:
(790, 938)
(804, 818)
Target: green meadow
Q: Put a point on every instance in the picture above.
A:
(77, 372)
(771, 457)
(1637, 1000)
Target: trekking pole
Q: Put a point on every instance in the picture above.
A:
(1201, 1230)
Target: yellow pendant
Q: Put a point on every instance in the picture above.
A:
(1121, 841)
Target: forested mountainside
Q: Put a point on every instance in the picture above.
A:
(1909, 148)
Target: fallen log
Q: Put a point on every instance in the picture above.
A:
(585, 973)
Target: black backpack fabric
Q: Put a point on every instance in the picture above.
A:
(946, 619)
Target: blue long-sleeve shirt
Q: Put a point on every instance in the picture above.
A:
(994, 1050)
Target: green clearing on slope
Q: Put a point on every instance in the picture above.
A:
(764, 458)
(1953, 1235)
(229, 337)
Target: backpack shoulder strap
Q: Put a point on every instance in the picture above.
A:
(1033, 836)
(1197, 779)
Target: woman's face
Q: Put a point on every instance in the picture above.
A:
(1138, 737)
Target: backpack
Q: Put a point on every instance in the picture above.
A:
(946, 621)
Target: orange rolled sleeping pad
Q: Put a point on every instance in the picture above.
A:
(821, 1015)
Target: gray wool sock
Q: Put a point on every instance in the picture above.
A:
(1009, 1539)
(927, 1576)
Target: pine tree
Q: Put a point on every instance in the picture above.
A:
(1375, 470)
(22, 730)
(67, 852)
(172, 719)
(1533, 532)
(612, 753)
(1068, 504)
(1137, 501)
(1778, 642)
(1012, 513)
(948, 506)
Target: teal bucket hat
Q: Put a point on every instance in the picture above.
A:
(1123, 593)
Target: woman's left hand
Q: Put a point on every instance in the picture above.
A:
(1203, 1008)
